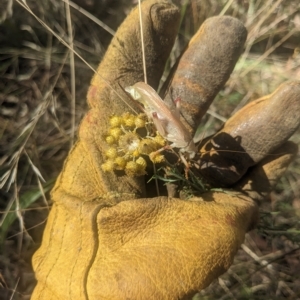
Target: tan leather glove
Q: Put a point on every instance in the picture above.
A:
(104, 238)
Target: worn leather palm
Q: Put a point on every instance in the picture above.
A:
(105, 239)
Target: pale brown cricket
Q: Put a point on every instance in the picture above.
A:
(167, 122)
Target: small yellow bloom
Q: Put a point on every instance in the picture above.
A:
(115, 132)
(110, 140)
(108, 166)
(140, 121)
(120, 163)
(134, 169)
(156, 157)
(129, 121)
(159, 140)
(111, 153)
(136, 153)
(142, 162)
(115, 121)
(147, 146)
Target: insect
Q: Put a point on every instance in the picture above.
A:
(167, 122)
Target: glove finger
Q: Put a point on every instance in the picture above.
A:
(260, 179)
(84, 173)
(205, 66)
(252, 134)
(123, 62)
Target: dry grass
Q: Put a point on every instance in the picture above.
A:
(42, 97)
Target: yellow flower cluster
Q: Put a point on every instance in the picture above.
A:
(128, 148)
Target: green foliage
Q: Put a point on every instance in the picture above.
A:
(25, 200)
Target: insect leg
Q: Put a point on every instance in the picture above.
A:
(177, 103)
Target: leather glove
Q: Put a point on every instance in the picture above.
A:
(105, 238)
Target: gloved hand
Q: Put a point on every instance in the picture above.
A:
(104, 238)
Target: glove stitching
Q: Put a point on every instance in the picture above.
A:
(95, 232)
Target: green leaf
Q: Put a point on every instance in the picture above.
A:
(26, 200)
